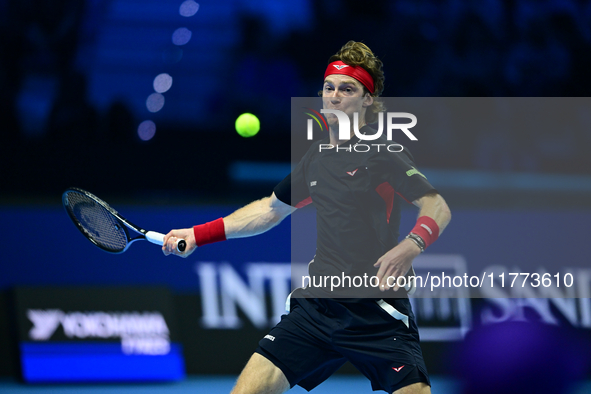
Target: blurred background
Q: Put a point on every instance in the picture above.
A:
(136, 102)
(153, 81)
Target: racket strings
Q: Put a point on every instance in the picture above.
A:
(97, 222)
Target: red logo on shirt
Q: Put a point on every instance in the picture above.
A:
(398, 369)
(352, 172)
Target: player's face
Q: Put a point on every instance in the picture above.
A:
(346, 94)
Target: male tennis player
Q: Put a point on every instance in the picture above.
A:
(357, 198)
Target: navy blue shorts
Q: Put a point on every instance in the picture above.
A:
(319, 335)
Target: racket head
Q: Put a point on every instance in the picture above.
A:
(96, 220)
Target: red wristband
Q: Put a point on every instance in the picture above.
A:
(210, 232)
(427, 229)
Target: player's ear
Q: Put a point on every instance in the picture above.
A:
(367, 100)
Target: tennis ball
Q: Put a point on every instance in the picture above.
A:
(247, 125)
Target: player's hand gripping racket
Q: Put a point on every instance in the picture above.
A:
(103, 225)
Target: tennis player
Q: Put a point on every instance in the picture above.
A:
(357, 199)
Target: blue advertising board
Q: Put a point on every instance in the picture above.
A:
(240, 285)
(97, 334)
(44, 248)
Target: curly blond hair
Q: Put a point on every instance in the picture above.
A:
(356, 53)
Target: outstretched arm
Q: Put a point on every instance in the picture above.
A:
(397, 261)
(252, 219)
(256, 217)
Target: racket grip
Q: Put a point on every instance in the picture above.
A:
(158, 239)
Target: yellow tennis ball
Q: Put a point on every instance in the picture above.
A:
(247, 125)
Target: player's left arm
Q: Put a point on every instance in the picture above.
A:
(434, 216)
(434, 206)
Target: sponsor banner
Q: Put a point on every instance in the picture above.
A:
(494, 247)
(63, 362)
(231, 301)
(97, 334)
(229, 294)
(236, 311)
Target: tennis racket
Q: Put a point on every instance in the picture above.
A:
(104, 226)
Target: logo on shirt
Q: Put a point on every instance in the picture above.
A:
(398, 369)
(413, 171)
(352, 172)
(272, 338)
(313, 183)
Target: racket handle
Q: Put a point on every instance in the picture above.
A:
(158, 239)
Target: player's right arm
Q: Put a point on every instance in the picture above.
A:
(257, 217)
(252, 219)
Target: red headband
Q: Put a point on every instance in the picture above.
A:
(357, 72)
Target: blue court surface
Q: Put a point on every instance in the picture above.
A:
(223, 384)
